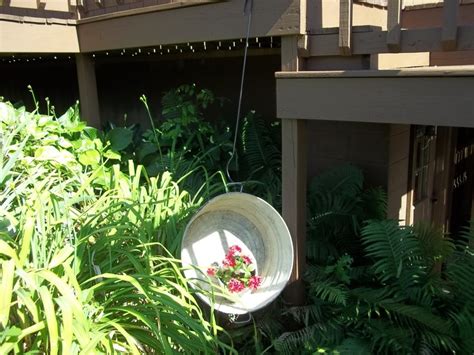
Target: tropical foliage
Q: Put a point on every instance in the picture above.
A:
(189, 135)
(377, 287)
(91, 224)
(84, 268)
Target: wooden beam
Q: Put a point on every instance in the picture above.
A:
(345, 26)
(414, 97)
(29, 37)
(294, 165)
(450, 24)
(394, 11)
(373, 42)
(221, 20)
(89, 99)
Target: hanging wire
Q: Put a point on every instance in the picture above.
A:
(248, 7)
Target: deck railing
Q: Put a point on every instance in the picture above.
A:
(77, 9)
(394, 37)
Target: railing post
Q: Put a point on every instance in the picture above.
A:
(345, 26)
(450, 25)
(394, 10)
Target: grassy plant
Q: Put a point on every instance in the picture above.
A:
(84, 267)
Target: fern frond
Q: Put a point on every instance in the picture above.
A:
(353, 346)
(334, 210)
(329, 291)
(389, 339)
(313, 336)
(464, 321)
(307, 314)
(260, 159)
(460, 272)
(343, 180)
(418, 317)
(374, 202)
(259, 149)
(434, 246)
(320, 250)
(394, 250)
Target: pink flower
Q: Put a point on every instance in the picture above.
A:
(246, 259)
(211, 271)
(229, 261)
(254, 282)
(235, 285)
(234, 249)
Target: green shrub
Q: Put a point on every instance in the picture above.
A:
(84, 268)
(373, 286)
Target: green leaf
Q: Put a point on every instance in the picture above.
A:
(8, 272)
(90, 157)
(146, 149)
(53, 154)
(110, 154)
(51, 321)
(61, 257)
(120, 138)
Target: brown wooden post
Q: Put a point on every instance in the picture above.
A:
(345, 27)
(394, 11)
(294, 171)
(89, 99)
(398, 192)
(444, 173)
(450, 25)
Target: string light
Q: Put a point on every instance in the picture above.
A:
(188, 47)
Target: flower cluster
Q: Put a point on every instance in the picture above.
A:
(237, 271)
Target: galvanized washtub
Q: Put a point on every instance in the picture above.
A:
(245, 220)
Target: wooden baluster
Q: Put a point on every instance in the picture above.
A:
(345, 27)
(450, 25)
(394, 10)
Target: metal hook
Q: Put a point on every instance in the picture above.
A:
(233, 319)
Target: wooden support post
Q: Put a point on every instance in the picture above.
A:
(444, 174)
(394, 11)
(294, 171)
(398, 191)
(89, 99)
(345, 27)
(450, 25)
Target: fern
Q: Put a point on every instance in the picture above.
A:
(307, 314)
(374, 201)
(354, 346)
(434, 246)
(311, 337)
(329, 291)
(464, 321)
(395, 251)
(343, 180)
(388, 338)
(260, 159)
(460, 272)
